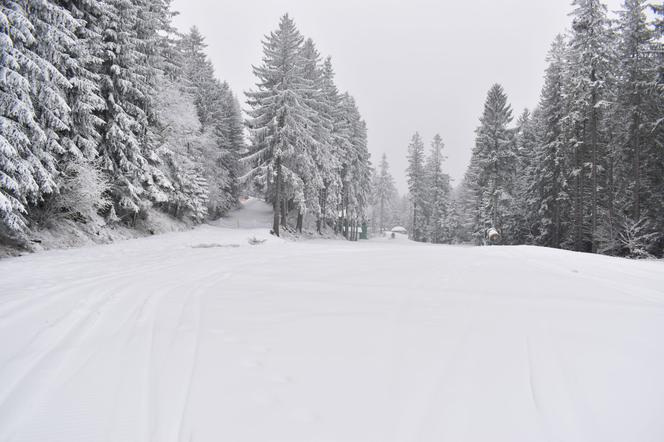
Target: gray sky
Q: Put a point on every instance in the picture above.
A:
(418, 65)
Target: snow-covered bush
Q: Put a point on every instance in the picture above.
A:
(83, 191)
(636, 237)
(627, 237)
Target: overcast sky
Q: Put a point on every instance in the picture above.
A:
(417, 65)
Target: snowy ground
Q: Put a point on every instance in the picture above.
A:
(200, 336)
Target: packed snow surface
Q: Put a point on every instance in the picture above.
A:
(208, 336)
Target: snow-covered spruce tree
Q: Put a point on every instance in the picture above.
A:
(199, 79)
(417, 186)
(438, 193)
(656, 173)
(68, 95)
(27, 164)
(355, 170)
(588, 63)
(468, 202)
(229, 131)
(523, 217)
(67, 102)
(182, 146)
(166, 43)
(451, 229)
(322, 152)
(128, 75)
(81, 68)
(490, 178)
(637, 111)
(337, 143)
(548, 188)
(280, 120)
(384, 195)
(221, 123)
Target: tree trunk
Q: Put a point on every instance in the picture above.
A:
(321, 217)
(284, 213)
(382, 214)
(578, 201)
(611, 197)
(556, 210)
(299, 221)
(276, 206)
(414, 221)
(593, 148)
(637, 168)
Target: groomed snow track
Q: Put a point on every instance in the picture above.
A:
(200, 336)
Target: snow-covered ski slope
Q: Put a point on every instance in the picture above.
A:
(200, 336)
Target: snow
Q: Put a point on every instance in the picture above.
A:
(202, 336)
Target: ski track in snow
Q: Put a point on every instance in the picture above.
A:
(156, 339)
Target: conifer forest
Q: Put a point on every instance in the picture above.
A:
(117, 115)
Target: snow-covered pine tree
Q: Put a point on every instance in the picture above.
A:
(468, 202)
(80, 67)
(384, 194)
(417, 187)
(355, 170)
(66, 101)
(167, 39)
(182, 146)
(451, 228)
(221, 123)
(637, 109)
(337, 144)
(493, 167)
(280, 120)
(656, 205)
(127, 152)
(321, 153)
(524, 217)
(548, 189)
(588, 66)
(438, 192)
(56, 62)
(198, 74)
(225, 167)
(27, 165)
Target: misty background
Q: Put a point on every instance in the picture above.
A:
(412, 66)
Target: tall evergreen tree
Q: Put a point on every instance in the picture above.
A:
(493, 167)
(355, 170)
(128, 78)
(27, 162)
(384, 193)
(523, 217)
(438, 192)
(415, 174)
(635, 113)
(280, 119)
(548, 189)
(588, 64)
(220, 116)
(337, 143)
(80, 66)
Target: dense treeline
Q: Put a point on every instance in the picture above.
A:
(585, 170)
(105, 109)
(388, 209)
(308, 150)
(429, 191)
